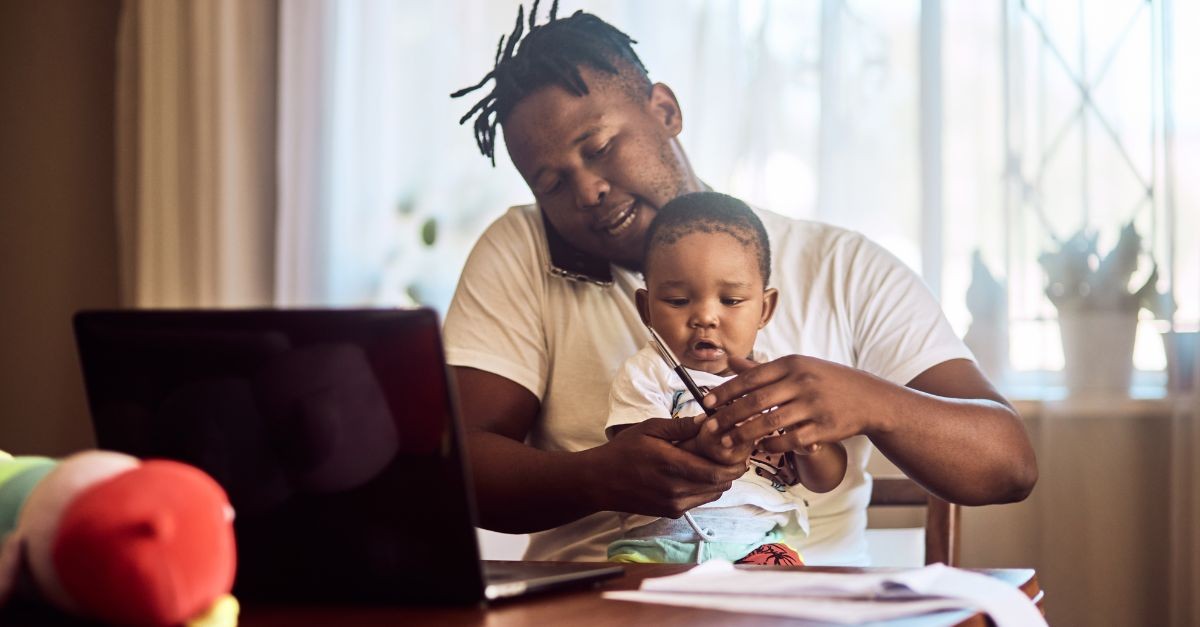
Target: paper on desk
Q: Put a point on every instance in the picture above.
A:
(826, 610)
(837, 597)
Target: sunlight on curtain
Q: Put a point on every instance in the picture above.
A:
(1185, 121)
(753, 79)
(382, 193)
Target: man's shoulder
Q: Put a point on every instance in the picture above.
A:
(799, 231)
(813, 249)
(523, 220)
(526, 212)
(517, 233)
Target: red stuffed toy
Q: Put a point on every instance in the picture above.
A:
(108, 537)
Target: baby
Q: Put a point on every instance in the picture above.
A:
(707, 266)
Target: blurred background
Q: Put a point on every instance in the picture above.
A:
(1032, 160)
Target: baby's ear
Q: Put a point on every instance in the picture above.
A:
(643, 305)
(770, 300)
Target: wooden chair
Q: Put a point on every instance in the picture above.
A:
(942, 519)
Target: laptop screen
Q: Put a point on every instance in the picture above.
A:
(333, 432)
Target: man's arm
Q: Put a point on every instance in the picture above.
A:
(520, 489)
(959, 437)
(949, 429)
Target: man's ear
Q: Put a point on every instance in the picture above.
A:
(770, 299)
(665, 108)
(643, 305)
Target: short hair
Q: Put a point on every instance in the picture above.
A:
(551, 54)
(710, 212)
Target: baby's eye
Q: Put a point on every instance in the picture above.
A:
(730, 302)
(676, 302)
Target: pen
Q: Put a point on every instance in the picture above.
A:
(673, 363)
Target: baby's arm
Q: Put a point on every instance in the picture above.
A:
(822, 466)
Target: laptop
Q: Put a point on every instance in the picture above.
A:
(335, 434)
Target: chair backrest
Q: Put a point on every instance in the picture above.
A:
(942, 519)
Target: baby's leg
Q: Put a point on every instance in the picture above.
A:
(774, 554)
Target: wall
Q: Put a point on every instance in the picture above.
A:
(57, 219)
(1097, 526)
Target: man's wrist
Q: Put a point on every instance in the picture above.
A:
(592, 488)
(881, 417)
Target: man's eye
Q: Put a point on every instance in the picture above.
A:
(601, 151)
(550, 189)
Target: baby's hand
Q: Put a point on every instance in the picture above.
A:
(708, 444)
(809, 449)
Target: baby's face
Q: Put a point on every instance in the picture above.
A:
(705, 296)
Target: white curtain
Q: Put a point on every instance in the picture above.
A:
(339, 148)
(303, 96)
(195, 152)
(381, 192)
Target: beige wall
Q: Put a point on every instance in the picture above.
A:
(57, 225)
(1097, 527)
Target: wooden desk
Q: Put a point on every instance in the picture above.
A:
(584, 607)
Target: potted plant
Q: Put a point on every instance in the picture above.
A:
(1097, 309)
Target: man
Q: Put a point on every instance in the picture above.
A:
(544, 314)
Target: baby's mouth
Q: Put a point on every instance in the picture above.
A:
(706, 350)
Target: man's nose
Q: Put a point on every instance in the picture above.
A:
(590, 190)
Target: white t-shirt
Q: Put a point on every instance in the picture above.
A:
(646, 388)
(842, 298)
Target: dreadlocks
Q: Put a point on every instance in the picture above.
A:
(550, 54)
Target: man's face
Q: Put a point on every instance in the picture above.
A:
(704, 295)
(600, 165)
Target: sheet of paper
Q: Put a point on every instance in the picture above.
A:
(836, 611)
(1006, 604)
(856, 598)
(720, 577)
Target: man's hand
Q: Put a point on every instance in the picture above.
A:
(811, 400)
(642, 470)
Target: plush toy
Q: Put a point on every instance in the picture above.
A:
(107, 537)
